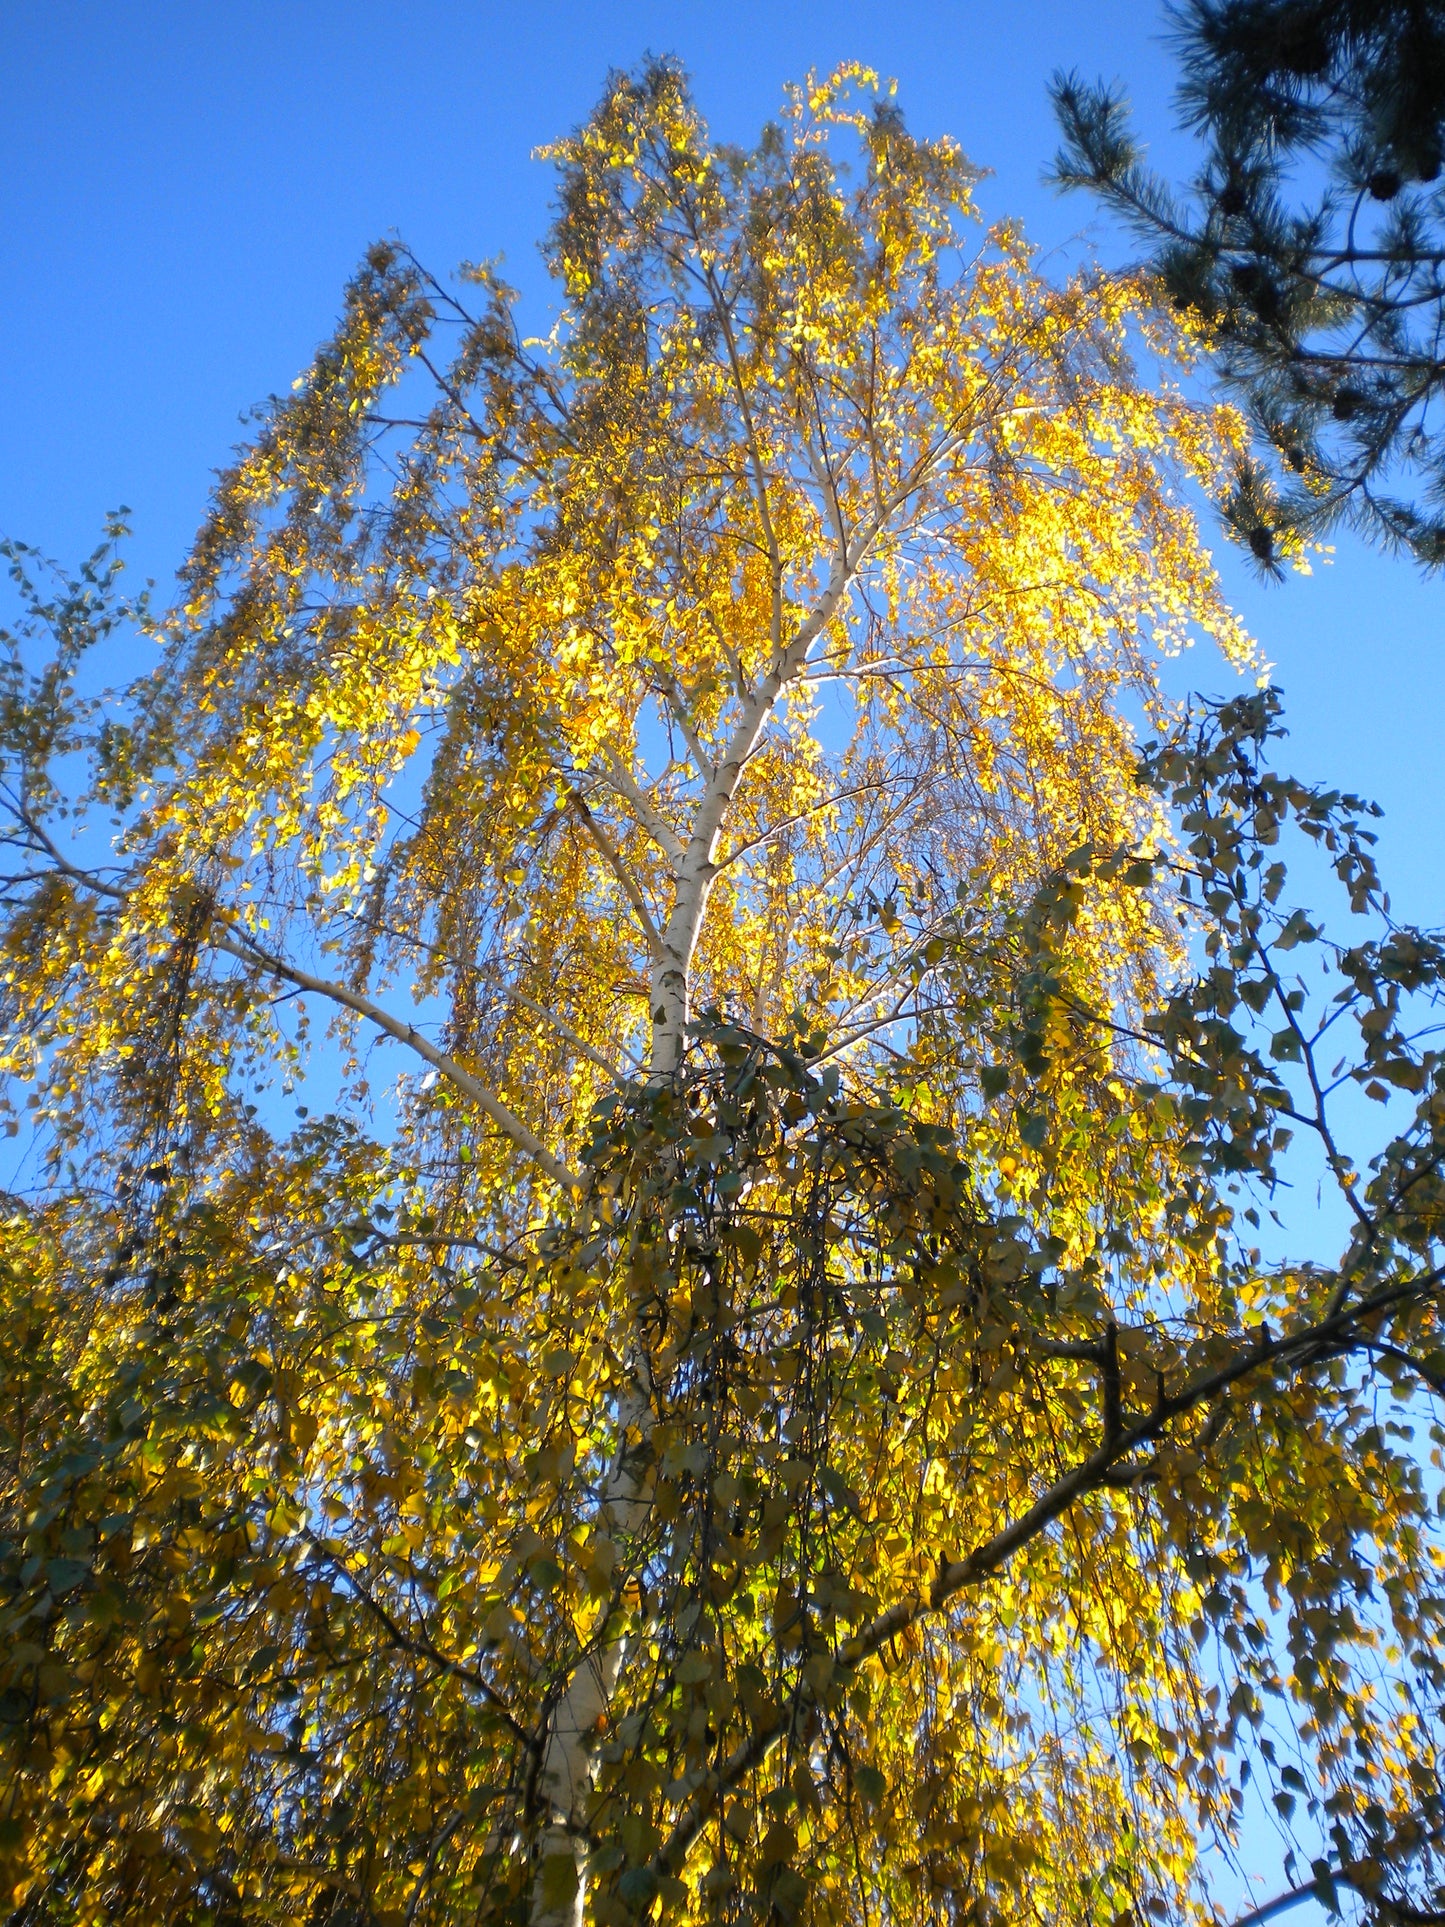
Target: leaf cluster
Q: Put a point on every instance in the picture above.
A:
(960, 1521)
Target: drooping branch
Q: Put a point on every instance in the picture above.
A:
(229, 935)
(417, 1647)
(565, 1030)
(1343, 1332)
(241, 945)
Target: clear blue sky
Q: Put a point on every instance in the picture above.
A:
(185, 187)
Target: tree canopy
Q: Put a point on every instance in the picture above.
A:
(776, 1411)
(1311, 247)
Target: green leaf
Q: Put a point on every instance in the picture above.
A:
(1034, 1130)
(780, 1843)
(638, 1886)
(62, 1575)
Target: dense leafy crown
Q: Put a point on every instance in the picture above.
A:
(1311, 246)
(780, 1419)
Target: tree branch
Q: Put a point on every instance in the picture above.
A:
(418, 1648)
(1341, 1332)
(238, 943)
(657, 826)
(564, 1029)
(613, 858)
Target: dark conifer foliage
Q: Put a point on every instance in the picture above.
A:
(1311, 244)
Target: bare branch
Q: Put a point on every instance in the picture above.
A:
(678, 710)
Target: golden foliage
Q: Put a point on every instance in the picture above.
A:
(783, 1423)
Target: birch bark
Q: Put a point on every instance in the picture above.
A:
(564, 1778)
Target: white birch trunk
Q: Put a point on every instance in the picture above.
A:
(564, 1778)
(694, 872)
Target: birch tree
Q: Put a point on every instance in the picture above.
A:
(688, 1430)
